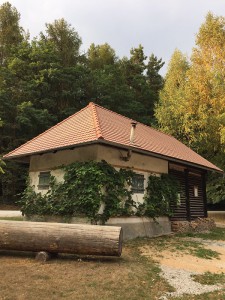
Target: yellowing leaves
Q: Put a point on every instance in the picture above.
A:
(192, 102)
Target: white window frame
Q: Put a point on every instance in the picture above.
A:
(44, 180)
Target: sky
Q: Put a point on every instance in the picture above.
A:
(160, 26)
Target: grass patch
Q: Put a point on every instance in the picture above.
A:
(206, 253)
(195, 249)
(175, 243)
(214, 234)
(209, 278)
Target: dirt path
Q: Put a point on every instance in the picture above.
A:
(178, 267)
(179, 260)
(10, 213)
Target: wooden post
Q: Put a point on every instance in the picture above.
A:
(204, 194)
(61, 238)
(186, 172)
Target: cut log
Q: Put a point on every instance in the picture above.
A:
(61, 238)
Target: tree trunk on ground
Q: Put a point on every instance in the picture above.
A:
(61, 238)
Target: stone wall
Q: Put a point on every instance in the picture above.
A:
(198, 225)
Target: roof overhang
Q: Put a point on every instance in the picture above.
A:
(161, 156)
(24, 158)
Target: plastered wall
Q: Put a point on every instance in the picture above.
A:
(49, 161)
(139, 163)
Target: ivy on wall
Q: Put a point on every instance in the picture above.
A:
(161, 193)
(89, 186)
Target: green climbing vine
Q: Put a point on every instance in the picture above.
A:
(87, 187)
(161, 194)
(98, 191)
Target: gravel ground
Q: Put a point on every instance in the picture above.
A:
(182, 281)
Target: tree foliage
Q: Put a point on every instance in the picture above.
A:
(48, 78)
(99, 56)
(11, 34)
(154, 78)
(192, 102)
(171, 111)
(65, 40)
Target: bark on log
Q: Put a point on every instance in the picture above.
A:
(61, 238)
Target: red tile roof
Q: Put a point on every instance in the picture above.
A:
(97, 124)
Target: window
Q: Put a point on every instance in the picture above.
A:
(44, 180)
(138, 184)
(178, 199)
(196, 191)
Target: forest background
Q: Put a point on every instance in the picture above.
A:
(45, 79)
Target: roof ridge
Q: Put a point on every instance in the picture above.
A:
(138, 122)
(47, 130)
(96, 120)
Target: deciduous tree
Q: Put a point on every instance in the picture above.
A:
(171, 111)
(66, 41)
(100, 55)
(205, 89)
(11, 34)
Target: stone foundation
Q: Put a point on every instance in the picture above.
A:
(197, 225)
(132, 226)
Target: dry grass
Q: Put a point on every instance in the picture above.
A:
(133, 276)
(72, 277)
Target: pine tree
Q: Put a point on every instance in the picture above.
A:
(155, 80)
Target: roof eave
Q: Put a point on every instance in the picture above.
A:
(105, 142)
(171, 159)
(52, 150)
